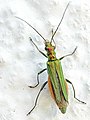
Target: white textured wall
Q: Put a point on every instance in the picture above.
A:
(20, 61)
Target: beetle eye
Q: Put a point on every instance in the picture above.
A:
(45, 48)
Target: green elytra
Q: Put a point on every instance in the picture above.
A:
(55, 72)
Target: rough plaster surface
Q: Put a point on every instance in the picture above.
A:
(20, 61)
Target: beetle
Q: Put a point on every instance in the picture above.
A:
(56, 82)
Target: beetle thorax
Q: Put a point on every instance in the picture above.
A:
(50, 51)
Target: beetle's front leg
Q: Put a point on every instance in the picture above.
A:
(68, 54)
(37, 47)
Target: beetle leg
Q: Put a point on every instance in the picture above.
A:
(37, 47)
(74, 92)
(38, 97)
(38, 78)
(68, 54)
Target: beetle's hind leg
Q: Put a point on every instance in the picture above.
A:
(74, 91)
(38, 97)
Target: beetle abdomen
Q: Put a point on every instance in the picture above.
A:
(62, 105)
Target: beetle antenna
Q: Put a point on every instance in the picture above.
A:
(53, 39)
(60, 22)
(32, 28)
